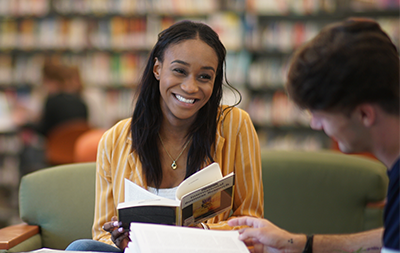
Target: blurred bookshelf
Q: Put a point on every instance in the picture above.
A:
(109, 40)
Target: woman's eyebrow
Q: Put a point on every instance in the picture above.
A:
(181, 62)
(187, 64)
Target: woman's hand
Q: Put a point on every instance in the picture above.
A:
(119, 237)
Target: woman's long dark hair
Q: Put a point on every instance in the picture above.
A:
(147, 116)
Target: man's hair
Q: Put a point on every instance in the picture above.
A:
(346, 64)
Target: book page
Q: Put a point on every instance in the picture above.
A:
(134, 192)
(149, 202)
(174, 239)
(207, 175)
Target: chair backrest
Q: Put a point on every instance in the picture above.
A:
(61, 141)
(322, 191)
(60, 200)
(85, 148)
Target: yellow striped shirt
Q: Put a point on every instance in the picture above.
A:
(236, 149)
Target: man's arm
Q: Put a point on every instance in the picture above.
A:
(266, 237)
(369, 241)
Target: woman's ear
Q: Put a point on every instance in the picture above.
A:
(157, 68)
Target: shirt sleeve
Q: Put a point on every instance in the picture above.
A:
(104, 204)
(245, 157)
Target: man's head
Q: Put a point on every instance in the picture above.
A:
(347, 76)
(346, 64)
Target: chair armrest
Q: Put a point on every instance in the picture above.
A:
(13, 235)
(377, 205)
(373, 215)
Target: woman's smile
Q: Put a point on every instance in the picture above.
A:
(184, 100)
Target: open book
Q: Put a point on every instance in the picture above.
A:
(148, 238)
(201, 196)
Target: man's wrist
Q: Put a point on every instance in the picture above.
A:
(297, 243)
(308, 248)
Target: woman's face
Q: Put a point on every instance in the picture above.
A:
(186, 78)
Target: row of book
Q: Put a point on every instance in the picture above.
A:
(15, 8)
(10, 144)
(60, 33)
(267, 73)
(126, 7)
(113, 33)
(123, 33)
(40, 8)
(362, 5)
(291, 6)
(9, 173)
(276, 110)
(286, 36)
(99, 69)
(118, 104)
(309, 7)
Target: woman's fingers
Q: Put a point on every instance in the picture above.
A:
(120, 237)
(111, 226)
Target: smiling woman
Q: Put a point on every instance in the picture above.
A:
(186, 80)
(178, 127)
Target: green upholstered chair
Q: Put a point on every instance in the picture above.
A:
(57, 203)
(309, 192)
(323, 191)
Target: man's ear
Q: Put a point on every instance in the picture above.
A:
(157, 68)
(368, 114)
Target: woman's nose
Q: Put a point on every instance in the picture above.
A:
(190, 85)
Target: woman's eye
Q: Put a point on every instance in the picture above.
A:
(205, 76)
(180, 71)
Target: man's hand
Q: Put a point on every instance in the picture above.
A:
(264, 236)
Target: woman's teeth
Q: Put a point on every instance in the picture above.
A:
(182, 99)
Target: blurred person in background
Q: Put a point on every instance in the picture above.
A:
(62, 103)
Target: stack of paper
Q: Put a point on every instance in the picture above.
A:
(146, 238)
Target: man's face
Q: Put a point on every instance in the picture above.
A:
(347, 130)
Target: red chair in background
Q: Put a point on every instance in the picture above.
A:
(85, 148)
(60, 143)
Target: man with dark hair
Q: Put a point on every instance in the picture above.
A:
(348, 78)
